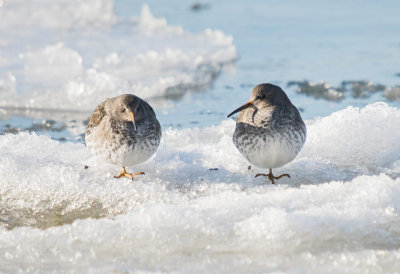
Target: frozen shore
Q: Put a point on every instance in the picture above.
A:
(339, 211)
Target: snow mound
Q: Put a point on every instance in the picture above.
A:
(339, 211)
(50, 62)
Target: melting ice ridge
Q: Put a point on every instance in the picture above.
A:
(338, 213)
(70, 55)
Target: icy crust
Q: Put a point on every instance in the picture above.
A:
(338, 213)
(76, 63)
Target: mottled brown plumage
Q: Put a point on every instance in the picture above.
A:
(123, 131)
(269, 130)
(96, 117)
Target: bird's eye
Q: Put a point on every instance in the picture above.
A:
(122, 109)
(261, 97)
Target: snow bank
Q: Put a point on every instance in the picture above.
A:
(339, 211)
(71, 54)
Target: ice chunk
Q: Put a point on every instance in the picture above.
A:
(149, 22)
(71, 55)
(393, 93)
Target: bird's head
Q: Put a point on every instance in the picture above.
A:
(126, 107)
(264, 95)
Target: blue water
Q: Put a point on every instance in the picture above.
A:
(282, 41)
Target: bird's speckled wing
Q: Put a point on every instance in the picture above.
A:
(98, 114)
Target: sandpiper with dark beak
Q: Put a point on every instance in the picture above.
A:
(269, 130)
(123, 131)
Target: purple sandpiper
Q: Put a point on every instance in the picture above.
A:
(269, 130)
(123, 131)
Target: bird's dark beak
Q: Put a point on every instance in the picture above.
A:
(248, 104)
(132, 114)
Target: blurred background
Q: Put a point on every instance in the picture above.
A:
(193, 61)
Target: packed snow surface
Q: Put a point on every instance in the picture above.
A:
(338, 213)
(71, 55)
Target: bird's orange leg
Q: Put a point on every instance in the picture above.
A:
(271, 176)
(128, 175)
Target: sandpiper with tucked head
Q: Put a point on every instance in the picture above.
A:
(269, 130)
(124, 131)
